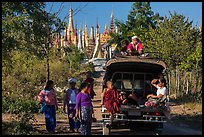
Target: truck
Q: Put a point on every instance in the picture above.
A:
(131, 74)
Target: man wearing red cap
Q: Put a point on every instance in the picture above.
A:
(135, 47)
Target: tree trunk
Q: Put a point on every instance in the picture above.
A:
(47, 59)
(190, 83)
(178, 86)
(187, 86)
(197, 81)
(47, 67)
(169, 79)
(176, 82)
(184, 81)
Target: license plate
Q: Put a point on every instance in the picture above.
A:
(134, 113)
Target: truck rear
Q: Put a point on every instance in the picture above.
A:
(133, 75)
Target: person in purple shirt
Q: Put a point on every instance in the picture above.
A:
(84, 104)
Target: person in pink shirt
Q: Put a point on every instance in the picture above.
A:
(135, 47)
(48, 96)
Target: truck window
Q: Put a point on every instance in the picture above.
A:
(116, 77)
(139, 81)
(118, 84)
(127, 84)
(127, 80)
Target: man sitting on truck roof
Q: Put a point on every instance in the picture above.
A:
(135, 47)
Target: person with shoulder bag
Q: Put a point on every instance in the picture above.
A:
(70, 102)
(84, 107)
(47, 97)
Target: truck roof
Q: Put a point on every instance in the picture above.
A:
(136, 59)
(134, 64)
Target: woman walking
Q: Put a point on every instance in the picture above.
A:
(84, 105)
(70, 102)
(48, 96)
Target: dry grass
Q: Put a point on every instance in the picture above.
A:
(189, 114)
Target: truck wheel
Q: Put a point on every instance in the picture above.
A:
(158, 129)
(106, 129)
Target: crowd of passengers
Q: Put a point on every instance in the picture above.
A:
(112, 99)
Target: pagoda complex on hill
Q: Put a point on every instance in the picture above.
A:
(90, 44)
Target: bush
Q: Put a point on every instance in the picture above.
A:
(22, 83)
(21, 125)
(19, 105)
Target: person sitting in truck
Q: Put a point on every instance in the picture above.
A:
(133, 99)
(123, 98)
(135, 47)
(111, 100)
(161, 93)
(124, 47)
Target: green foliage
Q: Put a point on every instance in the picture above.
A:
(74, 57)
(22, 26)
(18, 105)
(25, 76)
(20, 125)
(175, 37)
(23, 83)
(140, 19)
(194, 60)
(27, 27)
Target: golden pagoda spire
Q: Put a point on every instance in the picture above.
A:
(92, 33)
(75, 36)
(85, 30)
(71, 26)
(86, 35)
(106, 29)
(112, 23)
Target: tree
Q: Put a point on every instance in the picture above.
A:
(174, 36)
(73, 56)
(193, 62)
(140, 19)
(177, 40)
(22, 26)
(28, 27)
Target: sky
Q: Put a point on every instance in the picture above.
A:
(91, 11)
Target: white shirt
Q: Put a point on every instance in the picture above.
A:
(72, 98)
(162, 91)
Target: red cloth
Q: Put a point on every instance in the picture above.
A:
(111, 100)
(90, 82)
(124, 48)
(131, 46)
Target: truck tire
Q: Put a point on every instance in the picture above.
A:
(158, 128)
(106, 129)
